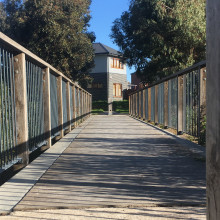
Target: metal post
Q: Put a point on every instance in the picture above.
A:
(21, 108)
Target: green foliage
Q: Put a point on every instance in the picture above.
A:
(202, 134)
(121, 105)
(97, 111)
(54, 30)
(118, 106)
(100, 105)
(161, 37)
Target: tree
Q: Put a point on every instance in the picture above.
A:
(160, 37)
(55, 30)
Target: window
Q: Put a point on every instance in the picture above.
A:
(95, 86)
(117, 63)
(117, 90)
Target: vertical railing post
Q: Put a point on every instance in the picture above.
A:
(144, 105)
(82, 106)
(129, 101)
(87, 104)
(180, 105)
(77, 106)
(90, 104)
(156, 105)
(60, 105)
(21, 108)
(166, 104)
(47, 110)
(202, 105)
(149, 104)
(68, 106)
(139, 107)
(136, 105)
(132, 105)
(74, 105)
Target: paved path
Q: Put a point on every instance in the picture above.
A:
(117, 161)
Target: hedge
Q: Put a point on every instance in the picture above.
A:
(124, 105)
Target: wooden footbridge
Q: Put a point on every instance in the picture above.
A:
(116, 161)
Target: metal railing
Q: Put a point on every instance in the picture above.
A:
(177, 101)
(37, 104)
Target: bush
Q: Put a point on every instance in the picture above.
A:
(122, 105)
(100, 105)
(117, 105)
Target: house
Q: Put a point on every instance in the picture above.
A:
(109, 74)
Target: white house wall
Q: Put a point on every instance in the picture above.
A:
(114, 70)
(100, 64)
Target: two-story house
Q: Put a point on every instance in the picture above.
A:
(109, 74)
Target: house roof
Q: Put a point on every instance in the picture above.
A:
(103, 49)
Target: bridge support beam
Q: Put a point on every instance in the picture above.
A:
(213, 110)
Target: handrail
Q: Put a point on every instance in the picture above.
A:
(20, 49)
(177, 101)
(179, 73)
(38, 103)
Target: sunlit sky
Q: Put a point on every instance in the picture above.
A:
(103, 13)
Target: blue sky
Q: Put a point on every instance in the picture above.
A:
(103, 13)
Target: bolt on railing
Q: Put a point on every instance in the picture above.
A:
(37, 104)
(177, 101)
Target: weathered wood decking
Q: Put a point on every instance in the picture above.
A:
(121, 162)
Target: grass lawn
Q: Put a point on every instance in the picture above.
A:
(97, 111)
(122, 111)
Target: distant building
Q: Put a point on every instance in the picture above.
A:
(136, 82)
(109, 74)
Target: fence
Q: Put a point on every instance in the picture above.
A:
(177, 101)
(37, 104)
